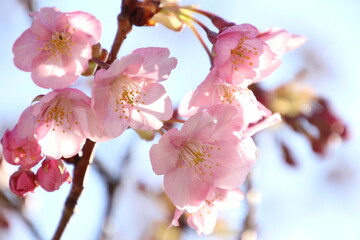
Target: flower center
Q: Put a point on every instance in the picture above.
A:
(229, 94)
(226, 94)
(57, 115)
(243, 54)
(198, 156)
(128, 94)
(59, 44)
(20, 153)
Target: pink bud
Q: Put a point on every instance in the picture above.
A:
(22, 182)
(20, 151)
(52, 174)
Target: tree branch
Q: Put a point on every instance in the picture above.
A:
(124, 27)
(80, 168)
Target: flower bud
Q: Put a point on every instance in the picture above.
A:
(20, 151)
(22, 182)
(52, 174)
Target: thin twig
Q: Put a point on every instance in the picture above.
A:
(80, 169)
(100, 63)
(249, 231)
(113, 184)
(198, 36)
(29, 4)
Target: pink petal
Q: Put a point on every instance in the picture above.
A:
(157, 107)
(25, 49)
(27, 123)
(236, 163)
(85, 23)
(53, 73)
(281, 41)
(230, 199)
(156, 63)
(245, 29)
(185, 190)
(46, 22)
(204, 220)
(57, 144)
(164, 156)
(262, 124)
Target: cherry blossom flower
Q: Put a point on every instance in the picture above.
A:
(242, 55)
(204, 219)
(215, 90)
(128, 93)
(60, 122)
(20, 151)
(57, 47)
(207, 153)
(22, 182)
(52, 174)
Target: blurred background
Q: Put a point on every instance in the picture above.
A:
(306, 183)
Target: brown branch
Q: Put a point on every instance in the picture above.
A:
(124, 27)
(29, 4)
(80, 168)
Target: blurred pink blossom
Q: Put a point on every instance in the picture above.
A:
(281, 41)
(215, 90)
(204, 219)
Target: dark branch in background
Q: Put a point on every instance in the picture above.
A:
(29, 5)
(249, 231)
(17, 207)
(112, 184)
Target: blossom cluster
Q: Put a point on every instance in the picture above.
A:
(56, 49)
(206, 161)
(203, 163)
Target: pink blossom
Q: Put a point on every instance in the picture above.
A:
(204, 219)
(128, 93)
(22, 182)
(215, 90)
(281, 41)
(207, 153)
(52, 174)
(60, 122)
(57, 47)
(20, 151)
(242, 55)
